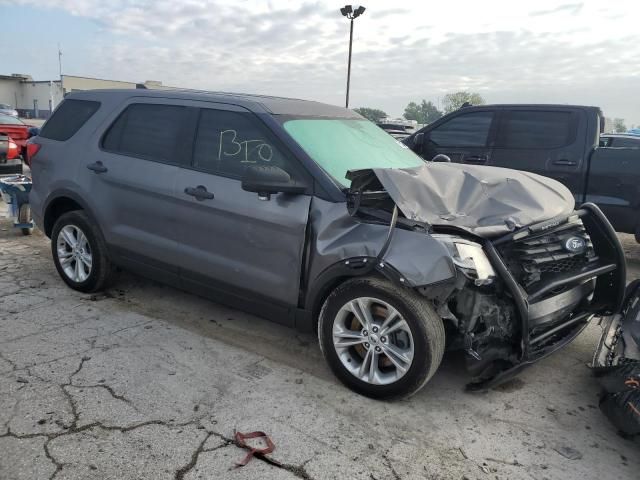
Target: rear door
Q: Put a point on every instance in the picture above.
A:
(465, 138)
(130, 181)
(614, 182)
(231, 241)
(549, 142)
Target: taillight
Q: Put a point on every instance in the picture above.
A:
(13, 151)
(32, 150)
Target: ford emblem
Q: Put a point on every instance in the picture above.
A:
(575, 245)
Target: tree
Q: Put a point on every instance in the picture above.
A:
(373, 114)
(453, 101)
(426, 112)
(619, 126)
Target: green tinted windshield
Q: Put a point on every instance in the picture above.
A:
(339, 145)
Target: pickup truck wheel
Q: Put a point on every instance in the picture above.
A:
(79, 253)
(380, 340)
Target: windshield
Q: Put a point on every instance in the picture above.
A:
(9, 120)
(340, 145)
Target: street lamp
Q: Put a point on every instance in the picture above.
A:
(349, 12)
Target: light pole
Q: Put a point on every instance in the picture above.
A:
(351, 14)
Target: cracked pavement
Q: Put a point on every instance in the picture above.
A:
(147, 382)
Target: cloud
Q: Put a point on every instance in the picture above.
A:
(300, 50)
(570, 8)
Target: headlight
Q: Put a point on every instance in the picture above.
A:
(469, 257)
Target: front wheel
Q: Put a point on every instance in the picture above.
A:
(79, 253)
(380, 340)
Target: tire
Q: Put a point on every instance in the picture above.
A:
(630, 291)
(623, 411)
(96, 276)
(24, 216)
(424, 346)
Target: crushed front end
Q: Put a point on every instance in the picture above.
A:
(530, 271)
(547, 281)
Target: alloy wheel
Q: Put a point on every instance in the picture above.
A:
(74, 253)
(373, 341)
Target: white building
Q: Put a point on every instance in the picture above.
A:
(38, 98)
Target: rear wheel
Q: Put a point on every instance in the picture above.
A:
(79, 253)
(380, 340)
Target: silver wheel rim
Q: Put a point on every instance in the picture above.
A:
(373, 341)
(74, 253)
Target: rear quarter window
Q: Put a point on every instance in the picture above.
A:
(68, 118)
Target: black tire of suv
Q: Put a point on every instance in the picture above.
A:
(427, 330)
(101, 268)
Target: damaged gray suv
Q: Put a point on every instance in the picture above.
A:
(310, 215)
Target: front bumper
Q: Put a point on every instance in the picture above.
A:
(549, 322)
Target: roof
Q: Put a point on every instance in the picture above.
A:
(530, 105)
(255, 103)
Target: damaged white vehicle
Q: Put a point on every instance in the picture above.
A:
(316, 218)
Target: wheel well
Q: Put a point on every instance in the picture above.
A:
(326, 290)
(56, 208)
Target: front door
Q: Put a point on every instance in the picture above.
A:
(464, 138)
(231, 240)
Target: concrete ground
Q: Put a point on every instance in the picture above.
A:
(147, 382)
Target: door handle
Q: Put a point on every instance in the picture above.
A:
(565, 162)
(97, 167)
(200, 192)
(479, 159)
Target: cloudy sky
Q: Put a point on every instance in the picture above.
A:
(562, 51)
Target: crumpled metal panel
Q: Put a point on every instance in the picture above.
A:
(486, 201)
(336, 236)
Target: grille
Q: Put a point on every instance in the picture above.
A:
(542, 256)
(561, 266)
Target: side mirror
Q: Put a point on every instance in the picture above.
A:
(441, 157)
(268, 179)
(418, 142)
(33, 132)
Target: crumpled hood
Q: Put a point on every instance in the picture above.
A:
(487, 201)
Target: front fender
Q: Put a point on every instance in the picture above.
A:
(341, 246)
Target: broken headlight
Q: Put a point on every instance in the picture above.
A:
(469, 258)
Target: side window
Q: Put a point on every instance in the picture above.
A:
(536, 129)
(626, 142)
(467, 130)
(68, 118)
(227, 142)
(147, 130)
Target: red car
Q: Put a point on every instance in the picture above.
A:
(17, 130)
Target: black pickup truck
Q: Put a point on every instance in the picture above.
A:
(558, 141)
